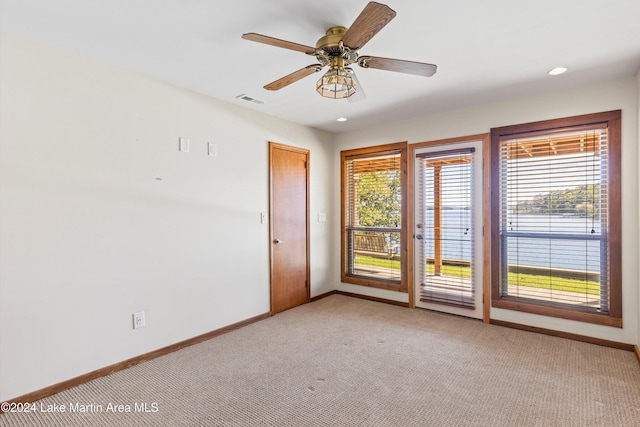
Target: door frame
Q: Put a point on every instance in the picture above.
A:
(486, 215)
(277, 146)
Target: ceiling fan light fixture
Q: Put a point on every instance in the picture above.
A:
(337, 83)
(338, 49)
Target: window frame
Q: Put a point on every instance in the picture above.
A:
(612, 120)
(354, 154)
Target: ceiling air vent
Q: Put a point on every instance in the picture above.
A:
(250, 99)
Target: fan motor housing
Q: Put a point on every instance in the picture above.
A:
(330, 42)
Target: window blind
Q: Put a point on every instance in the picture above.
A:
(446, 226)
(373, 216)
(553, 218)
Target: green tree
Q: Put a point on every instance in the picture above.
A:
(379, 199)
(582, 201)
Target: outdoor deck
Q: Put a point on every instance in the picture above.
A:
(456, 284)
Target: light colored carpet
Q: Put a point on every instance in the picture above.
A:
(342, 361)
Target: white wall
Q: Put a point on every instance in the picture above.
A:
(621, 94)
(88, 235)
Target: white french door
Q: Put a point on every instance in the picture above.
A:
(448, 242)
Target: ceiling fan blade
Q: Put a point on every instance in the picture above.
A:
(359, 95)
(371, 20)
(293, 77)
(279, 43)
(398, 65)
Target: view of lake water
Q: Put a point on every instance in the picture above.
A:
(531, 251)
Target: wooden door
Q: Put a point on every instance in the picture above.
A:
(289, 233)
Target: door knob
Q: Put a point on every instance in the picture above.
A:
(278, 241)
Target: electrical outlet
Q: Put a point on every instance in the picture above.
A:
(138, 320)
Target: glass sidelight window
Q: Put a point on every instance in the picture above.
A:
(373, 216)
(556, 204)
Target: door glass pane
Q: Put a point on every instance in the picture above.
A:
(447, 228)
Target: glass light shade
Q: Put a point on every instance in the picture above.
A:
(336, 83)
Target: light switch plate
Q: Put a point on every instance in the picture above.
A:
(183, 144)
(212, 148)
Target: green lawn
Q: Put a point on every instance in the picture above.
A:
(450, 270)
(521, 279)
(393, 264)
(556, 283)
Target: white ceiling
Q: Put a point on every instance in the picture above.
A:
(485, 50)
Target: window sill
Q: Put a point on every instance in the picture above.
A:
(390, 285)
(580, 315)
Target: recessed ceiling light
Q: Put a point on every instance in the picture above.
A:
(342, 119)
(558, 70)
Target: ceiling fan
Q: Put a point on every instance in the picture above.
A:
(338, 49)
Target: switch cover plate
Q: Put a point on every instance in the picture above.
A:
(212, 148)
(183, 144)
(138, 320)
